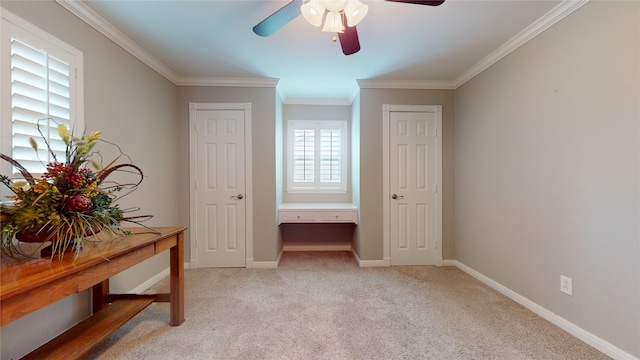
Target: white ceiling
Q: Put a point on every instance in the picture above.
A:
(192, 41)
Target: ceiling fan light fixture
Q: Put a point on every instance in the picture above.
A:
(335, 5)
(355, 12)
(333, 22)
(339, 16)
(313, 11)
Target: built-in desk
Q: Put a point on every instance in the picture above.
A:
(318, 213)
(27, 286)
(303, 230)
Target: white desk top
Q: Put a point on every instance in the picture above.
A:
(318, 206)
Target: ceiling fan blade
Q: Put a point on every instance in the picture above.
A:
(349, 40)
(278, 19)
(419, 2)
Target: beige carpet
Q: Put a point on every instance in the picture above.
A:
(321, 305)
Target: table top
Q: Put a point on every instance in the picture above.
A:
(24, 275)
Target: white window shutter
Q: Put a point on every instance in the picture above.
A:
(40, 87)
(330, 159)
(317, 156)
(304, 155)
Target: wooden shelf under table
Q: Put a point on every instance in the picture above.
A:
(78, 340)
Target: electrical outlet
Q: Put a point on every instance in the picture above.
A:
(566, 285)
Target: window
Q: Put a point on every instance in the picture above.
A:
(41, 87)
(317, 156)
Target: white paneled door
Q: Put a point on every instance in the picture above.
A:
(413, 187)
(220, 188)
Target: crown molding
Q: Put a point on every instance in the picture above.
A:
(86, 14)
(94, 20)
(549, 19)
(224, 81)
(405, 84)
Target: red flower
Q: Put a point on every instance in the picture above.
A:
(78, 203)
(66, 176)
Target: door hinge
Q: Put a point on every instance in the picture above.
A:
(435, 189)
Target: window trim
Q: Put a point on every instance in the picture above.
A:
(316, 187)
(13, 25)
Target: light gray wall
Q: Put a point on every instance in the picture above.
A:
(546, 171)
(371, 210)
(355, 165)
(135, 108)
(280, 161)
(263, 113)
(315, 112)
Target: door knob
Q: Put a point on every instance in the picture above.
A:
(396, 197)
(237, 197)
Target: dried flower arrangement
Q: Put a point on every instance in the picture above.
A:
(70, 202)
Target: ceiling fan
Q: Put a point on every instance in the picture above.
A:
(344, 26)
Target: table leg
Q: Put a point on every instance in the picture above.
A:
(98, 295)
(176, 279)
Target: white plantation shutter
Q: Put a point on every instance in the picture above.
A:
(317, 156)
(43, 87)
(330, 155)
(39, 97)
(304, 155)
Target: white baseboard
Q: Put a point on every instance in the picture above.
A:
(249, 263)
(370, 263)
(149, 283)
(580, 333)
(261, 264)
(387, 262)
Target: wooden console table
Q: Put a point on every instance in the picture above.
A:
(27, 286)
